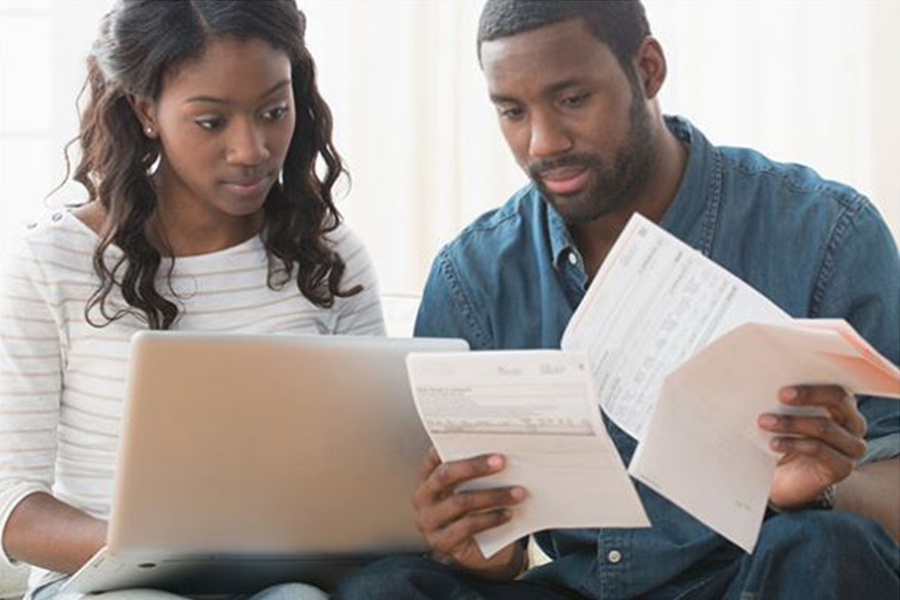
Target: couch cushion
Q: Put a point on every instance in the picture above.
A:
(12, 581)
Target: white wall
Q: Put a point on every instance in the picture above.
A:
(43, 46)
(808, 81)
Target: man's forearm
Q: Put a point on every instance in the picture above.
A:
(873, 491)
(47, 533)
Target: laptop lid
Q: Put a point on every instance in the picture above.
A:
(241, 444)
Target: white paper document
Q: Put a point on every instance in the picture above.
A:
(652, 305)
(538, 409)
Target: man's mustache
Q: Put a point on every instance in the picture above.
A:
(537, 169)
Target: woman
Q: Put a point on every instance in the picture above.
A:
(206, 211)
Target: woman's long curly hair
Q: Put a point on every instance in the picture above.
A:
(139, 42)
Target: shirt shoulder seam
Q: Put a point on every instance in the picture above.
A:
(836, 238)
(449, 271)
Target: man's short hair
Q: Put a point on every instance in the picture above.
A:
(620, 24)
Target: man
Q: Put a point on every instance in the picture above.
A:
(575, 85)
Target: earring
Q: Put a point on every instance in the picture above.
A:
(149, 130)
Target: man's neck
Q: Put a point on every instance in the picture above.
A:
(595, 239)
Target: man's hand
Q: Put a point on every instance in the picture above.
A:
(449, 518)
(816, 451)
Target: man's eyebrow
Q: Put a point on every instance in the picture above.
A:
(550, 91)
(275, 88)
(501, 99)
(562, 85)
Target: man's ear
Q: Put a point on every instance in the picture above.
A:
(145, 112)
(650, 66)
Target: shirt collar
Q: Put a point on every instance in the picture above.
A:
(687, 207)
(695, 191)
(561, 242)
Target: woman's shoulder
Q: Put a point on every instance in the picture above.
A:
(341, 235)
(91, 217)
(347, 244)
(57, 238)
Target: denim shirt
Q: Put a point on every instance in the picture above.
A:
(817, 248)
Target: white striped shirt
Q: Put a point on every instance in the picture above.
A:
(62, 380)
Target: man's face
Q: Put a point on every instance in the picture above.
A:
(574, 121)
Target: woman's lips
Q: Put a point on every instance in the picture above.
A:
(248, 187)
(566, 181)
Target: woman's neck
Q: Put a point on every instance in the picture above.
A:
(173, 233)
(182, 230)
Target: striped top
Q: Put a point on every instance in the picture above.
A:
(62, 380)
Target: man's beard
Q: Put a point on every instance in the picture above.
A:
(612, 185)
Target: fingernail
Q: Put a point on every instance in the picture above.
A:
(777, 444)
(768, 421)
(517, 493)
(495, 462)
(789, 393)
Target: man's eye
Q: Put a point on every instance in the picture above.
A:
(511, 113)
(275, 114)
(210, 123)
(575, 101)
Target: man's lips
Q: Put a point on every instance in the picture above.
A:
(566, 180)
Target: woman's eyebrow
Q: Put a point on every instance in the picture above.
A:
(278, 86)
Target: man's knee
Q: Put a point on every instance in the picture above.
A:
(844, 551)
(389, 579)
(829, 535)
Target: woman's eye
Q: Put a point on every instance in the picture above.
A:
(210, 124)
(275, 114)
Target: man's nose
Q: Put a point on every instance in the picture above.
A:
(548, 136)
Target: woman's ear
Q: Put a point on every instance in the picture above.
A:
(144, 111)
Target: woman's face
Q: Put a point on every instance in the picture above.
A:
(224, 122)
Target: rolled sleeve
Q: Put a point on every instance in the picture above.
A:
(882, 448)
(883, 432)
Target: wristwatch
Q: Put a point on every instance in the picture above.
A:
(824, 501)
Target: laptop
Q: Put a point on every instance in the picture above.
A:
(248, 460)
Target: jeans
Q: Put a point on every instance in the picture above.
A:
(812, 554)
(284, 591)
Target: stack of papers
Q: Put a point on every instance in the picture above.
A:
(680, 354)
(702, 448)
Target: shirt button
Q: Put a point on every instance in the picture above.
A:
(573, 260)
(614, 556)
(57, 216)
